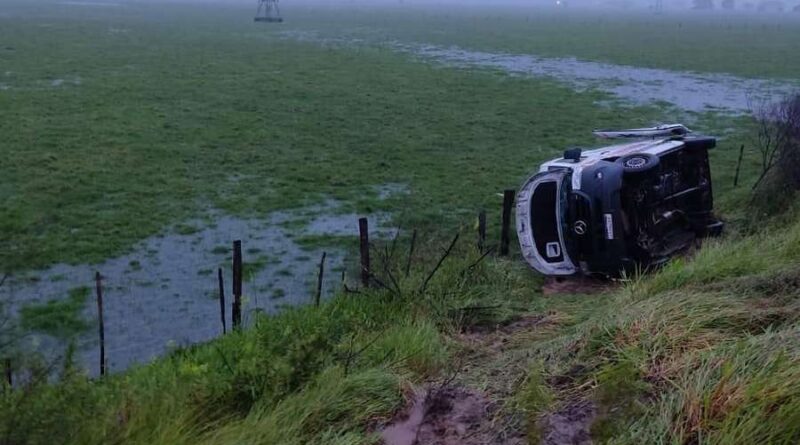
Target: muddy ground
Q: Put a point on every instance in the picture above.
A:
(454, 411)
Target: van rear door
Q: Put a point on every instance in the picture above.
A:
(540, 209)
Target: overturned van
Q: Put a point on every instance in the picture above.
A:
(618, 208)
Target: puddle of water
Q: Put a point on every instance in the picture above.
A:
(689, 91)
(165, 292)
(404, 432)
(392, 189)
(61, 82)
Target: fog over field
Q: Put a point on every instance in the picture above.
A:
(769, 8)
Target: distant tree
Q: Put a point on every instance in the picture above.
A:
(728, 4)
(702, 4)
(796, 8)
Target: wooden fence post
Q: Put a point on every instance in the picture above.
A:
(319, 279)
(363, 232)
(738, 166)
(508, 202)
(9, 372)
(98, 279)
(237, 285)
(481, 230)
(222, 300)
(411, 251)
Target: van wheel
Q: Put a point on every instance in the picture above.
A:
(638, 163)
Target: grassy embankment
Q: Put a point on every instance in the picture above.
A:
(702, 351)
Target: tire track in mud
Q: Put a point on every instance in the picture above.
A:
(456, 412)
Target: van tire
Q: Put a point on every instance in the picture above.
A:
(637, 163)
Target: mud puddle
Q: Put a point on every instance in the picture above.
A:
(570, 425)
(449, 415)
(689, 91)
(164, 293)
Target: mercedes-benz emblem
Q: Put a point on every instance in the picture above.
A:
(579, 227)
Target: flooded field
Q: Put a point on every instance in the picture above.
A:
(164, 294)
(695, 92)
(688, 91)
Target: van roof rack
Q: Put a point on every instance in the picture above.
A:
(670, 130)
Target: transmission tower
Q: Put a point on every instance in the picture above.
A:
(658, 6)
(268, 11)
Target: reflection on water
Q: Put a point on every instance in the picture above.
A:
(165, 292)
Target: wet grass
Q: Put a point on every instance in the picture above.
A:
(90, 169)
(704, 350)
(705, 42)
(308, 375)
(61, 318)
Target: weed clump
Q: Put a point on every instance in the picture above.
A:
(778, 145)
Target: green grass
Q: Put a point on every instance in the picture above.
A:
(716, 42)
(307, 375)
(62, 318)
(181, 109)
(701, 352)
(243, 121)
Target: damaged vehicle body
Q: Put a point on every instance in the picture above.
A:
(620, 208)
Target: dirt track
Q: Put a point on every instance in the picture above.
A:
(454, 413)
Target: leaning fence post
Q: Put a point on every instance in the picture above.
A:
(738, 166)
(508, 202)
(98, 279)
(411, 251)
(221, 300)
(481, 230)
(236, 314)
(363, 232)
(9, 372)
(319, 279)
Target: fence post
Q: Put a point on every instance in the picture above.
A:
(222, 300)
(411, 251)
(508, 202)
(363, 231)
(98, 279)
(237, 285)
(319, 279)
(9, 372)
(481, 230)
(738, 166)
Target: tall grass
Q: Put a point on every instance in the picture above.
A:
(703, 351)
(308, 375)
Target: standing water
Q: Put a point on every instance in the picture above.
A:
(164, 293)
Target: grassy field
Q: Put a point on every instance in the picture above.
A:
(119, 122)
(716, 42)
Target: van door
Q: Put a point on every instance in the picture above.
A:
(540, 209)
